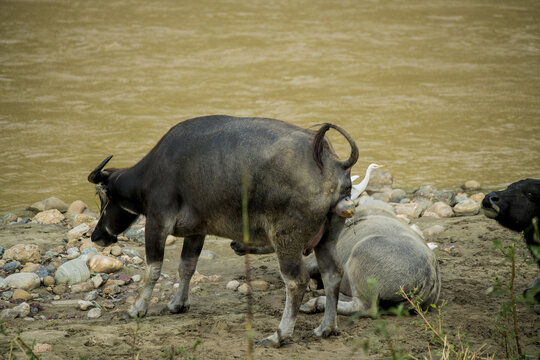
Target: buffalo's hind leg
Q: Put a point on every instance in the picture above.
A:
(188, 262)
(155, 235)
(295, 277)
(331, 274)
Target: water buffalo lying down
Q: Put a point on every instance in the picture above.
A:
(518, 208)
(190, 185)
(377, 245)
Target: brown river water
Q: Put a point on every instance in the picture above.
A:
(438, 91)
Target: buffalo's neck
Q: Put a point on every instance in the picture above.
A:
(127, 187)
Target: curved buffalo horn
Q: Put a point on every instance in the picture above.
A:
(94, 176)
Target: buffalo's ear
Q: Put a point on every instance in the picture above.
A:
(97, 176)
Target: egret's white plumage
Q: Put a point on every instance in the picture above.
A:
(357, 190)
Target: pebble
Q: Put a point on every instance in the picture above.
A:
(170, 240)
(60, 289)
(6, 295)
(54, 203)
(379, 179)
(136, 278)
(434, 230)
(471, 185)
(11, 266)
(30, 267)
(82, 287)
(48, 281)
(42, 348)
(133, 253)
(477, 197)
(104, 264)
(116, 250)
(84, 219)
(43, 271)
(397, 195)
(87, 244)
(452, 250)
(19, 311)
(70, 303)
(137, 260)
(135, 232)
(21, 294)
(78, 231)
(91, 296)
(446, 196)
(49, 217)
(72, 272)
(25, 281)
(440, 210)
(232, 285)
(6, 219)
(77, 207)
(84, 305)
(259, 285)
(243, 289)
(94, 313)
(412, 210)
(73, 253)
(467, 208)
(24, 253)
(112, 290)
(97, 281)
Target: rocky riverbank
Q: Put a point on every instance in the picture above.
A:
(51, 271)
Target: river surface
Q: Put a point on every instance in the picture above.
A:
(438, 91)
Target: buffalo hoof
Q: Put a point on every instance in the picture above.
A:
(326, 332)
(271, 341)
(176, 308)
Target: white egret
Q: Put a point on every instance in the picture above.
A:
(357, 190)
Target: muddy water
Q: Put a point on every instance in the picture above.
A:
(440, 92)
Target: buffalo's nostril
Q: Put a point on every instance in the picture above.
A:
(494, 199)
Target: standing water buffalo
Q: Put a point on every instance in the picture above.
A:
(518, 208)
(379, 246)
(190, 185)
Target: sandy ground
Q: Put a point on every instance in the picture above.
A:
(217, 315)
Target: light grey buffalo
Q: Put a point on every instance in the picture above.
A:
(377, 245)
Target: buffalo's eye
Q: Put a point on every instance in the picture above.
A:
(530, 195)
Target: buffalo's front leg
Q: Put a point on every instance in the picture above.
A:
(295, 277)
(155, 235)
(188, 262)
(331, 273)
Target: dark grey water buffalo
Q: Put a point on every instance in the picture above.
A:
(190, 185)
(518, 208)
(377, 245)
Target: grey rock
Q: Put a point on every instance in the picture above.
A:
(42, 272)
(131, 252)
(94, 313)
(446, 196)
(397, 195)
(84, 304)
(8, 218)
(25, 281)
(72, 272)
(19, 311)
(91, 296)
(135, 232)
(11, 266)
(467, 208)
(6, 295)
